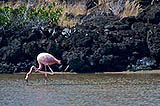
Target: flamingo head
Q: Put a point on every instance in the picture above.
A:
(36, 69)
(58, 61)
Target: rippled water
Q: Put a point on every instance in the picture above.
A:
(81, 90)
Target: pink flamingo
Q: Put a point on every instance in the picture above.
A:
(45, 59)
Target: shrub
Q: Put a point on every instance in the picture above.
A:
(116, 7)
(28, 16)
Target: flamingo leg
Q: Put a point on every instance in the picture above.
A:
(45, 72)
(50, 68)
(46, 77)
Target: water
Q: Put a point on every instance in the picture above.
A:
(81, 90)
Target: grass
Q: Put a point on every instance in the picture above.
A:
(27, 15)
(74, 10)
(131, 9)
(117, 7)
(120, 8)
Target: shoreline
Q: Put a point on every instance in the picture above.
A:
(124, 72)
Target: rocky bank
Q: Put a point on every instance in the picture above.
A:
(102, 43)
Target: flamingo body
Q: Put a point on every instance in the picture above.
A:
(47, 59)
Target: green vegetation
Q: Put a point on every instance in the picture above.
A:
(27, 16)
(35, 15)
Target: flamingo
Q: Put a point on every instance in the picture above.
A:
(45, 59)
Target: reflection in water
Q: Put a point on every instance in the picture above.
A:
(81, 90)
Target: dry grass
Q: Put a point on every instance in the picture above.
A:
(76, 9)
(124, 8)
(105, 1)
(131, 9)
